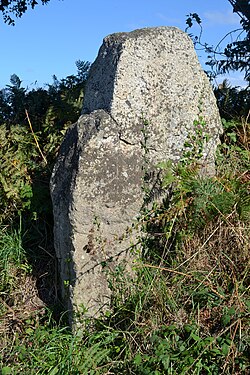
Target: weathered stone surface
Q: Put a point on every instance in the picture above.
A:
(143, 94)
(96, 190)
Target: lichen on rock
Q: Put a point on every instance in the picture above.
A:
(144, 92)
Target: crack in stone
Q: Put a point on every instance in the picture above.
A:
(126, 142)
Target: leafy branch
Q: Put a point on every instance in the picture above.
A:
(236, 54)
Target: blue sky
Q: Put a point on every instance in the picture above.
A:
(49, 39)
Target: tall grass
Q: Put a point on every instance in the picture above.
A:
(12, 257)
(185, 311)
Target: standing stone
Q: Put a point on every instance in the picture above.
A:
(144, 92)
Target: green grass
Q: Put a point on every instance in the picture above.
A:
(12, 258)
(189, 314)
(47, 350)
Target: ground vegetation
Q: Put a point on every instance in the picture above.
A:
(187, 311)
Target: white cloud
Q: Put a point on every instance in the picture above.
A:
(234, 79)
(221, 18)
(169, 20)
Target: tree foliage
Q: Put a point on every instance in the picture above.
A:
(236, 54)
(62, 97)
(16, 8)
(233, 102)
